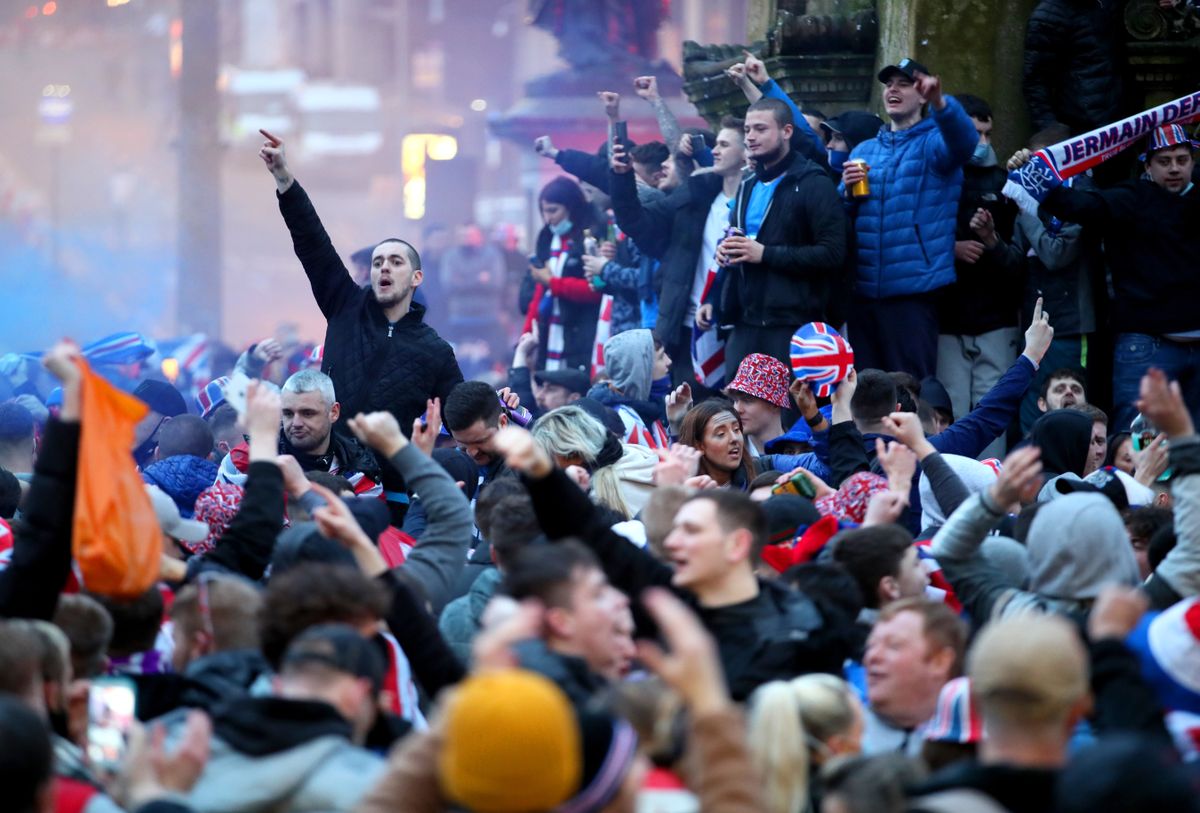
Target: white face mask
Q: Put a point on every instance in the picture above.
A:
(562, 227)
(984, 155)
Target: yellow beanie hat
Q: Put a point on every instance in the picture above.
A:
(512, 744)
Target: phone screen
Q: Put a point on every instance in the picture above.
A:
(111, 703)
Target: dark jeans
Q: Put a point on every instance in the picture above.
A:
(1137, 352)
(896, 334)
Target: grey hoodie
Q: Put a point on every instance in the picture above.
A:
(1077, 544)
(629, 362)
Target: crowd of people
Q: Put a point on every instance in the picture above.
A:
(664, 568)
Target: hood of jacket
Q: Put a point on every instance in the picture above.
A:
(975, 476)
(283, 755)
(482, 590)
(1077, 544)
(629, 362)
(635, 476)
(1064, 436)
(258, 726)
(222, 676)
(183, 477)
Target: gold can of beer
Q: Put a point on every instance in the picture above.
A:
(863, 188)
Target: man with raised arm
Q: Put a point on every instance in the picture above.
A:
(378, 350)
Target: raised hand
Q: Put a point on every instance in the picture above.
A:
(522, 453)
(1019, 159)
(592, 266)
(335, 521)
(930, 89)
(842, 396)
(425, 433)
(1162, 404)
(704, 316)
(268, 350)
(820, 487)
(885, 507)
(1151, 462)
(618, 162)
(542, 145)
(676, 465)
(1116, 612)
(647, 88)
(678, 403)
(263, 413)
(756, 69)
(380, 431)
(151, 773)
(273, 155)
(852, 173)
(294, 481)
(62, 360)
(898, 462)
(1039, 334)
(906, 428)
(1020, 478)
(612, 104)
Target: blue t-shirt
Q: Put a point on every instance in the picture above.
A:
(756, 209)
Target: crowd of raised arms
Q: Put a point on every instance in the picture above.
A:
(797, 498)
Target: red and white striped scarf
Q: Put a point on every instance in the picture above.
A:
(560, 250)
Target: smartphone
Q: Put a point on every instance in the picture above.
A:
(697, 144)
(799, 485)
(111, 705)
(621, 136)
(235, 391)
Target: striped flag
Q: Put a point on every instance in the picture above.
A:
(603, 332)
(120, 348)
(821, 357)
(708, 350)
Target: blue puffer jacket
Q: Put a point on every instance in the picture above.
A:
(183, 477)
(905, 228)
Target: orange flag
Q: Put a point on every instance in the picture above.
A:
(116, 539)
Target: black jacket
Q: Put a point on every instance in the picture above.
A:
(986, 295)
(375, 365)
(578, 318)
(779, 634)
(805, 237)
(672, 231)
(1072, 54)
(41, 549)
(571, 674)
(1152, 246)
(352, 457)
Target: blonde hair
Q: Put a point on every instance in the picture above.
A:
(570, 431)
(788, 720)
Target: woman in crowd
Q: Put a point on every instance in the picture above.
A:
(556, 292)
(714, 428)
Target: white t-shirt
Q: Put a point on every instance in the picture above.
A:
(714, 230)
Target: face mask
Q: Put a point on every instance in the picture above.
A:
(837, 159)
(562, 227)
(984, 155)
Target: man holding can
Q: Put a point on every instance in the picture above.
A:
(901, 190)
(788, 243)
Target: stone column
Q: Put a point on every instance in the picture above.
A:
(760, 16)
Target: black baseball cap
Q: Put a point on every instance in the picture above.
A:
(340, 647)
(570, 379)
(161, 397)
(906, 67)
(855, 126)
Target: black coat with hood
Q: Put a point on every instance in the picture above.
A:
(1064, 436)
(805, 236)
(1071, 61)
(375, 364)
(672, 231)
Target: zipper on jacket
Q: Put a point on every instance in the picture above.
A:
(391, 327)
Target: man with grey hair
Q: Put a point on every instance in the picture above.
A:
(310, 409)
